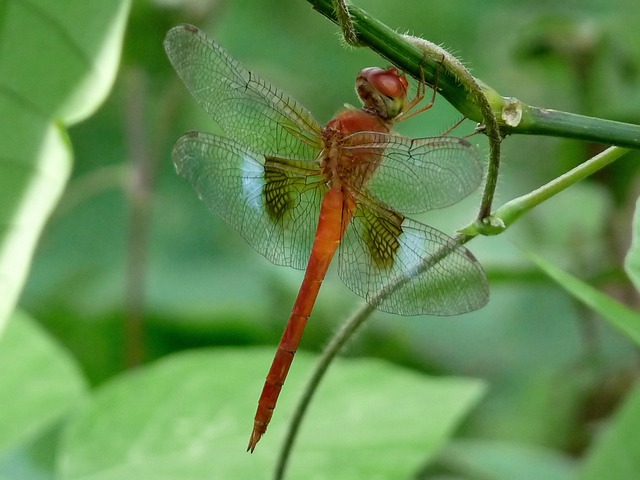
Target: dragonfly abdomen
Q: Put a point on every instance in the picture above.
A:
(328, 236)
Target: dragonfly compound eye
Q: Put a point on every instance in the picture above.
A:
(382, 91)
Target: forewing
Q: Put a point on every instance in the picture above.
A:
(246, 107)
(273, 202)
(416, 175)
(381, 248)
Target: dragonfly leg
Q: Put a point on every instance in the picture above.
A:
(420, 94)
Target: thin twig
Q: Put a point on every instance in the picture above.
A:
(338, 341)
(139, 194)
(144, 158)
(514, 209)
(478, 93)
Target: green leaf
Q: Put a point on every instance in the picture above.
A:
(495, 460)
(616, 454)
(57, 64)
(618, 315)
(632, 262)
(39, 382)
(189, 416)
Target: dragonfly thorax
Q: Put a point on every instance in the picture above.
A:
(342, 162)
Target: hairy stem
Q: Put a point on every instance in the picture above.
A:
(513, 115)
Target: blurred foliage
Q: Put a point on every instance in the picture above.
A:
(555, 373)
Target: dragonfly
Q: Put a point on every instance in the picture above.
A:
(299, 192)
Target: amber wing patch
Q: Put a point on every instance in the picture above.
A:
(381, 238)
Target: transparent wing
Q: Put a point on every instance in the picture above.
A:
(246, 107)
(273, 202)
(381, 247)
(416, 175)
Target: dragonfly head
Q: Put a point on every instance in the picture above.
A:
(383, 92)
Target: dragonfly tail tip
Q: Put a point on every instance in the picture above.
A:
(253, 441)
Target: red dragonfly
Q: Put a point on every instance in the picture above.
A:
(297, 191)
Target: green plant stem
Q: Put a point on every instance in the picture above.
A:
(139, 190)
(345, 23)
(514, 116)
(338, 341)
(507, 214)
(341, 337)
(544, 121)
(511, 211)
(478, 92)
(144, 158)
(403, 53)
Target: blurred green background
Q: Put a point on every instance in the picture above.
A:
(129, 238)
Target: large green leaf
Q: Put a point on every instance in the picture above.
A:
(189, 416)
(616, 454)
(39, 383)
(618, 315)
(497, 460)
(57, 63)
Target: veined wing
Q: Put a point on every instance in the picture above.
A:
(381, 247)
(273, 202)
(246, 107)
(416, 175)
